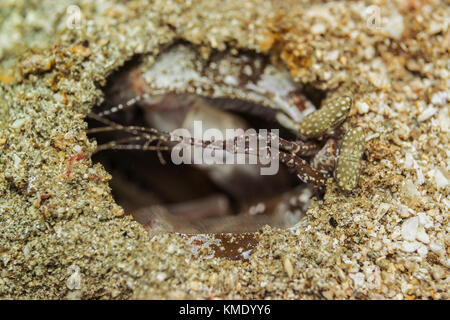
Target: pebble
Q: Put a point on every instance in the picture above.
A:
(439, 178)
(422, 250)
(409, 161)
(382, 209)
(403, 211)
(409, 228)
(394, 25)
(427, 114)
(425, 220)
(331, 55)
(410, 194)
(437, 273)
(74, 280)
(369, 52)
(362, 107)
(288, 266)
(328, 294)
(18, 123)
(358, 278)
(439, 98)
(77, 148)
(318, 28)
(436, 248)
(422, 235)
(444, 119)
(17, 161)
(161, 276)
(410, 246)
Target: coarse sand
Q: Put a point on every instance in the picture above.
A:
(63, 236)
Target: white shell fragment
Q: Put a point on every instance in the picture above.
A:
(410, 228)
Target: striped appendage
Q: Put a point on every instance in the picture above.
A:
(304, 171)
(238, 145)
(330, 115)
(349, 161)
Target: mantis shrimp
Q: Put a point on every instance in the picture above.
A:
(148, 103)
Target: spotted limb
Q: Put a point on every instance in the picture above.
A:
(304, 171)
(329, 116)
(349, 161)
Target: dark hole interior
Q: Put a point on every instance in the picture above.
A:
(195, 195)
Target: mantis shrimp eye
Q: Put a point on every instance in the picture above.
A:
(349, 162)
(319, 122)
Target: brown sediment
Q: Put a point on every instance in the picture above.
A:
(56, 210)
(225, 245)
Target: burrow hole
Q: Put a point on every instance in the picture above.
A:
(195, 198)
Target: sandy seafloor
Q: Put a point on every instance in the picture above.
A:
(58, 230)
